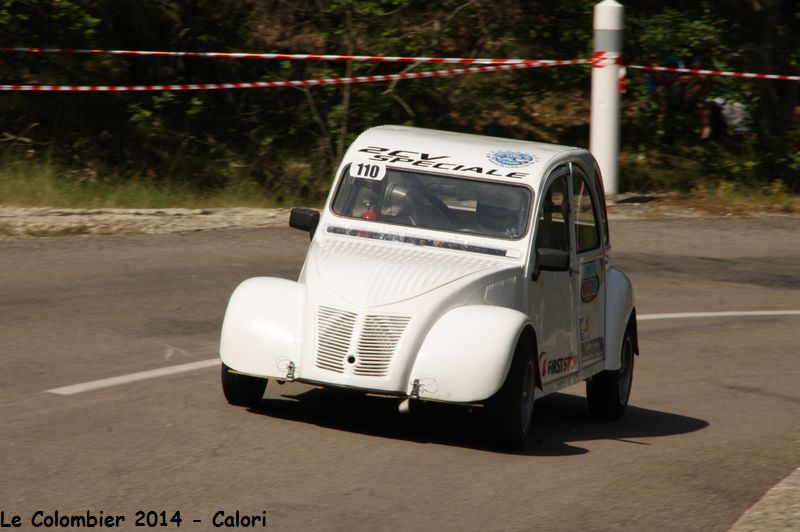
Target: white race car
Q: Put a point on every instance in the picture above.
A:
(446, 267)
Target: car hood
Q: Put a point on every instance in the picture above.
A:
(369, 274)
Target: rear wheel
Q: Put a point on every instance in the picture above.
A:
(608, 391)
(511, 408)
(242, 390)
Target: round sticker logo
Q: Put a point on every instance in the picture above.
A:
(511, 159)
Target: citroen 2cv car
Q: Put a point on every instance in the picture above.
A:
(446, 267)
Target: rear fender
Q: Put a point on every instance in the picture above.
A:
(466, 355)
(619, 311)
(263, 327)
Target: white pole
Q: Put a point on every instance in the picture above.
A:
(604, 133)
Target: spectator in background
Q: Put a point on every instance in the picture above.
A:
(685, 92)
(694, 88)
(661, 85)
(720, 117)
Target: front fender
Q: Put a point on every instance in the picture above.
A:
(619, 309)
(467, 353)
(262, 330)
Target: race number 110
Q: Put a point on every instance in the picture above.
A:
(368, 171)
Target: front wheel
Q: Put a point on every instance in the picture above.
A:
(608, 391)
(511, 408)
(242, 390)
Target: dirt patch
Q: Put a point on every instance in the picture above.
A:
(17, 221)
(40, 221)
(673, 205)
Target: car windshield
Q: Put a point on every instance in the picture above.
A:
(436, 202)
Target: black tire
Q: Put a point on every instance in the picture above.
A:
(608, 391)
(510, 410)
(242, 390)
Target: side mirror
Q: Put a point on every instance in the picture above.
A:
(305, 220)
(551, 260)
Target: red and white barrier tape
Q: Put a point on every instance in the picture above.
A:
(598, 60)
(303, 57)
(749, 75)
(294, 83)
(604, 59)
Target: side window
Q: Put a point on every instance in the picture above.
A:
(587, 232)
(601, 191)
(553, 231)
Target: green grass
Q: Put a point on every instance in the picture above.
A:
(26, 184)
(724, 185)
(731, 197)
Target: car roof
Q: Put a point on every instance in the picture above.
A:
(465, 154)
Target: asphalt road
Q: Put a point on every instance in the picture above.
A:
(714, 421)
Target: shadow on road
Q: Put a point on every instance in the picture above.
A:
(560, 421)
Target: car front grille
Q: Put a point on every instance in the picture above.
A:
(370, 339)
(334, 330)
(379, 338)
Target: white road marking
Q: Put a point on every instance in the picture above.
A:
(778, 509)
(729, 314)
(172, 370)
(133, 377)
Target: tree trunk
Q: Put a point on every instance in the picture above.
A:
(778, 98)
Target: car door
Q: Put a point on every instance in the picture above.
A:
(551, 294)
(590, 267)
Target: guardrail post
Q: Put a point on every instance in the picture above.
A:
(604, 132)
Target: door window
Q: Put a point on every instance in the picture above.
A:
(553, 232)
(603, 209)
(586, 226)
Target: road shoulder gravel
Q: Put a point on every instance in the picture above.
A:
(46, 221)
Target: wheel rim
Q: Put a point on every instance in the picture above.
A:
(526, 398)
(625, 371)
